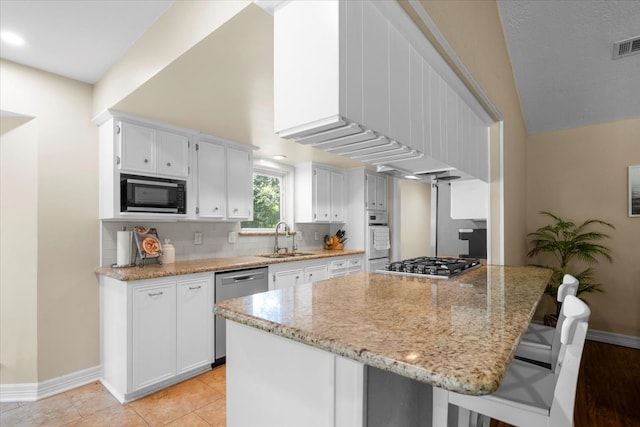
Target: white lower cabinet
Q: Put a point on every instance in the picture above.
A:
(193, 323)
(287, 278)
(153, 328)
(315, 273)
(286, 274)
(154, 332)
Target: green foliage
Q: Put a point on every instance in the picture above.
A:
(566, 242)
(266, 202)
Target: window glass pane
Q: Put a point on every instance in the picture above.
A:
(267, 201)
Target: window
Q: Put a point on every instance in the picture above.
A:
(271, 193)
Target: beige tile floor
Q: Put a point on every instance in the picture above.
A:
(196, 402)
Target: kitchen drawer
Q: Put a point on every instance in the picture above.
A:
(354, 264)
(337, 264)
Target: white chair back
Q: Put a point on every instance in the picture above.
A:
(573, 335)
(568, 287)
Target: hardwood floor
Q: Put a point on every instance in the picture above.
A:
(607, 396)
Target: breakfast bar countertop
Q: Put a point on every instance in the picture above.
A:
(458, 334)
(152, 271)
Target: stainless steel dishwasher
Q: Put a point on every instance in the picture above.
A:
(235, 284)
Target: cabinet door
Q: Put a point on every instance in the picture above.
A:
(194, 316)
(211, 180)
(287, 278)
(239, 184)
(381, 192)
(137, 148)
(315, 273)
(172, 154)
(322, 194)
(370, 183)
(338, 186)
(153, 334)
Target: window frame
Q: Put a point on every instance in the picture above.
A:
(285, 173)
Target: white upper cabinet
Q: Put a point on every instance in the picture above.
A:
(375, 192)
(137, 148)
(239, 184)
(224, 181)
(320, 194)
(172, 154)
(151, 151)
(211, 160)
(360, 76)
(218, 173)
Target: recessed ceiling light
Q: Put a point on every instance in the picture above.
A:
(11, 38)
(411, 177)
(279, 157)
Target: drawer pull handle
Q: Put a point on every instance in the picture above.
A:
(193, 288)
(156, 294)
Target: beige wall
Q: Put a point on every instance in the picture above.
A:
(18, 254)
(415, 219)
(58, 249)
(474, 31)
(180, 28)
(580, 174)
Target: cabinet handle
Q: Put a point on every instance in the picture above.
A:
(117, 160)
(215, 209)
(168, 163)
(235, 211)
(156, 294)
(193, 288)
(146, 160)
(297, 277)
(326, 215)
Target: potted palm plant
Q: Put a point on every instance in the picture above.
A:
(567, 241)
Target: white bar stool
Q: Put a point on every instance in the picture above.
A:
(530, 395)
(541, 343)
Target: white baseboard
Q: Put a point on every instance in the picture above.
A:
(35, 391)
(613, 338)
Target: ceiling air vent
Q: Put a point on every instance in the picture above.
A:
(626, 47)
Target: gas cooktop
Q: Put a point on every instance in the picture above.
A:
(433, 267)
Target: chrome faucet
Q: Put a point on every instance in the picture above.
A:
(276, 248)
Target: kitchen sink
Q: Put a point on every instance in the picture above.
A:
(284, 255)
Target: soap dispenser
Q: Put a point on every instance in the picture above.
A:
(168, 252)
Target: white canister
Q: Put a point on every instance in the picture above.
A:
(168, 253)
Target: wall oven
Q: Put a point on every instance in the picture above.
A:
(156, 195)
(377, 241)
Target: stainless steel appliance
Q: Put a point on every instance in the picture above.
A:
(432, 267)
(235, 284)
(377, 242)
(157, 195)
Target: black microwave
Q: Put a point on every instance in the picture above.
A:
(156, 195)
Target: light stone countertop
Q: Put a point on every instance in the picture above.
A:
(152, 271)
(458, 334)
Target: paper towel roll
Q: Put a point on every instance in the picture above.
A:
(123, 247)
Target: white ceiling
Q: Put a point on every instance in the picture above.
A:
(560, 52)
(74, 38)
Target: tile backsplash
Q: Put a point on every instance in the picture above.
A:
(214, 239)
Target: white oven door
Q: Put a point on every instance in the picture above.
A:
(378, 242)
